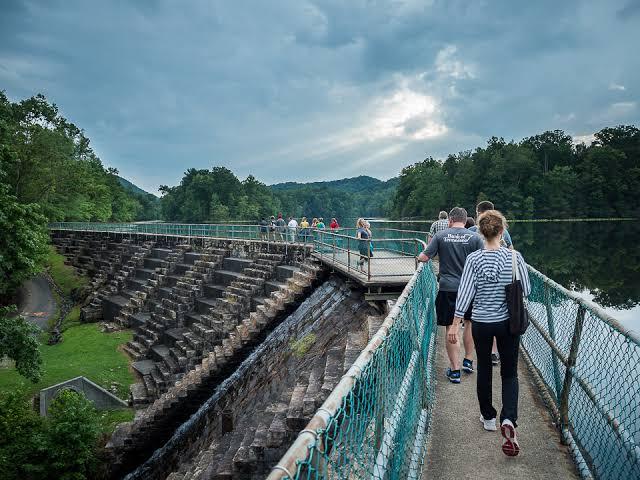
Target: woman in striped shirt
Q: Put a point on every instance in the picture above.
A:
(485, 275)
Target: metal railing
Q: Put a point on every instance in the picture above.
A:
(223, 230)
(586, 365)
(377, 258)
(391, 254)
(375, 422)
(188, 230)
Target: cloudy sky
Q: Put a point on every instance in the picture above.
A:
(304, 90)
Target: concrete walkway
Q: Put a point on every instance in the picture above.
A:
(460, 448)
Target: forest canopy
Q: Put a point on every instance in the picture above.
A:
(543, 176)
(48, 161)
(217, 195)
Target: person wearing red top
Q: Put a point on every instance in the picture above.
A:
(334, 224)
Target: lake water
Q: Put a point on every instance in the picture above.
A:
(598, 260)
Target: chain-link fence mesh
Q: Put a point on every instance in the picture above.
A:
(590, 367)
(378, 428)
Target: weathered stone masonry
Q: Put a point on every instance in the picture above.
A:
(221, 393)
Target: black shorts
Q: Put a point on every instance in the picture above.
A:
(446, 308)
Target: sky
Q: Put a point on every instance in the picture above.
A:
(307, 91)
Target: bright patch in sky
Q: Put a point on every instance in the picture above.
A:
(407, 115)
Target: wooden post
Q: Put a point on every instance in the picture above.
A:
(552, 334)
(571, 362)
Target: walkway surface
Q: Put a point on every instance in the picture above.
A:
(460, 448)
(36, 303)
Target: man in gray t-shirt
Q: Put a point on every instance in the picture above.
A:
(452, 246)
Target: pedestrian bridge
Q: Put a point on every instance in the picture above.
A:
(394, 415)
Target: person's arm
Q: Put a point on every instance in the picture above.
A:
(507, 239)
(430, 252)
(466, 294)
(431, 232)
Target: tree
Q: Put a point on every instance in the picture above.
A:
(48, 161)
(60, 446)
(72, 434)
(23, 241)
(23, 441)
(18, 342)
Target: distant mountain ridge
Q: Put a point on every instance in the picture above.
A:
(352, 185)
(132, 187)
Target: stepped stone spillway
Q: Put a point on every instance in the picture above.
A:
(235, 345)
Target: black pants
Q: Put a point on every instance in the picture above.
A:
(483, 334)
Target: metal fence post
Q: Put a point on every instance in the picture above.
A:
(348, 254)
(552, 334)
(369, 261)
(334, 248)
(571, 362)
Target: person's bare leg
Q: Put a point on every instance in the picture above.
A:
(453, 352)
(467, 340)
(494, 349)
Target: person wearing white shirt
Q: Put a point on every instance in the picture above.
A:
(293, 226)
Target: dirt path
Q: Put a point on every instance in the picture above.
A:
(36, 302)
(460, 448)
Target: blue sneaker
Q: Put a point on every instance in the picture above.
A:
(453, 375)
(467, 365)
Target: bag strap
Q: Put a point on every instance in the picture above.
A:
(514, 267)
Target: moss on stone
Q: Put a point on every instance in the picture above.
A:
(301, 347)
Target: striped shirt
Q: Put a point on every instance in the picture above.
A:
(438, 226)
(484, 277)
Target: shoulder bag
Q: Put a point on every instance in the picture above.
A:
(518, 316)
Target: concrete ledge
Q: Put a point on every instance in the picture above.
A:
(101, 398)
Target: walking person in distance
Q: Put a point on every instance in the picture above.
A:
(452, 246)
(439, 225)
(363, 235)
(485, 276)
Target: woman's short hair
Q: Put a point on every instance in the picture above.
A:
(360, 222)
(491, 224)
(443, 215)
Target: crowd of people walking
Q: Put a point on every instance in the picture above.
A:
(477, 264)
(277, 229)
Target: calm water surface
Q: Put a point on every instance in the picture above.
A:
(598, 260)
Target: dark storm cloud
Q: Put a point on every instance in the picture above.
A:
(295, 90)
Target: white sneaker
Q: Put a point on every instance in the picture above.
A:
(510, 445)
(489, 425)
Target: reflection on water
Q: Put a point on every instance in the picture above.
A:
(598, 260)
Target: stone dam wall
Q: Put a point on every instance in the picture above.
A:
(236, 344)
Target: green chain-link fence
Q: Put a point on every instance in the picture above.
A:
(588, 367)
(374, 424)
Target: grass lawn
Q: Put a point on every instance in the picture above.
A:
(64, 275)
(84, 350)
(110, 418)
